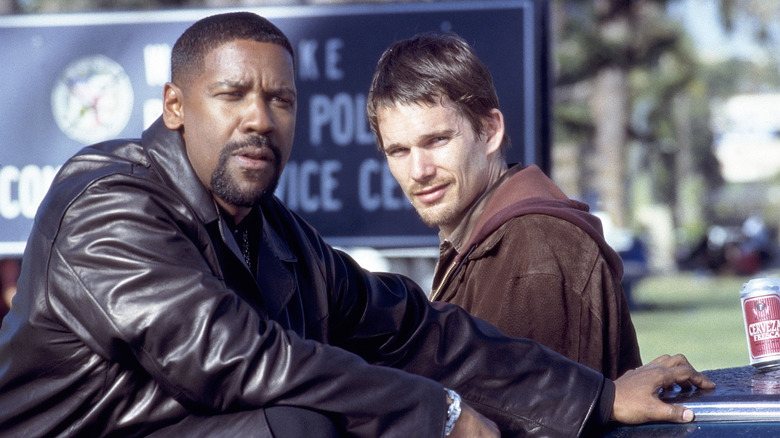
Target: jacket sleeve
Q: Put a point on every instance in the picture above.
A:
(526, 388)
(529, 390)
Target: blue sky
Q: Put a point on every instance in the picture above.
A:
(702, 20)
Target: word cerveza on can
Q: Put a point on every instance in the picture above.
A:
(761, 312)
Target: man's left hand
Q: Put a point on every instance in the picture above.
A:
(636, 391)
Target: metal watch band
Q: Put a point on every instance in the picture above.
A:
(453, 412)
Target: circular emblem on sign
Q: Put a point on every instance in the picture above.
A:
(92, 99)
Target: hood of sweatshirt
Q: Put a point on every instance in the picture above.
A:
(527, 190)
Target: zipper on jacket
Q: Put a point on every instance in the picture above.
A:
(452, 271)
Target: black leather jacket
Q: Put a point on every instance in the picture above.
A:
(135, 310)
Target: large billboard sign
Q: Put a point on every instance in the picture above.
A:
(70, 80)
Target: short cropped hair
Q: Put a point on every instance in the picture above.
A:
(427, 67)
(211, 32)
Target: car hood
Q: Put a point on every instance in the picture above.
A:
(745, 402)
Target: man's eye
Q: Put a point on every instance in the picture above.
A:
(283, 100)
(396, 152)
(234, 94)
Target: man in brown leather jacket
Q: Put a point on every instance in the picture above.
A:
(515, 251)
(166, 292)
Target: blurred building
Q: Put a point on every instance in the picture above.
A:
(747, 137)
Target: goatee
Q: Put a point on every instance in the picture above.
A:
(225, 186)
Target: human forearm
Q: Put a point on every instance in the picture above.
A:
(509, 380)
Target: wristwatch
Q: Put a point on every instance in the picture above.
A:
(453, 411)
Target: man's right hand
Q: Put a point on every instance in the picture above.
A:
(472, 424)
(636, 391)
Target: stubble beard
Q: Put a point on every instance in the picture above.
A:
(438, 213)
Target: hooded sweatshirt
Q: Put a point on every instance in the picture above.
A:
(535, 263)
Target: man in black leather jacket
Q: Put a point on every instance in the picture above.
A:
(165, 290)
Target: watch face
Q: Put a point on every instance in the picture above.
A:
(92, 99)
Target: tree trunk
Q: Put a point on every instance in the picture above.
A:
(7, 7)
(610, 110)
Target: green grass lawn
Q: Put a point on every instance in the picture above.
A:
(698, 316)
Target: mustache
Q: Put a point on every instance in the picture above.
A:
(258, 141)
(420, 186)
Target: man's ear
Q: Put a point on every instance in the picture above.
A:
(494, 130)
(173, 115)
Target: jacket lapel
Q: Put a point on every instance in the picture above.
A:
(275, 276)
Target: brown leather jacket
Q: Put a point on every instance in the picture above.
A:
(535, 264)
(135, 311)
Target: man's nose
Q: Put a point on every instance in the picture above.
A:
(257, 117)
(422, 166)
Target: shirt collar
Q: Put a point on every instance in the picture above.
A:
(463, 231)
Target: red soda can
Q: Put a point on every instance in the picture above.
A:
(761, 312)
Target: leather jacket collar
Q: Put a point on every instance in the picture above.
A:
(166, 151)
(165, 148)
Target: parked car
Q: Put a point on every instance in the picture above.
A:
(740, 250)
(744, 403)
